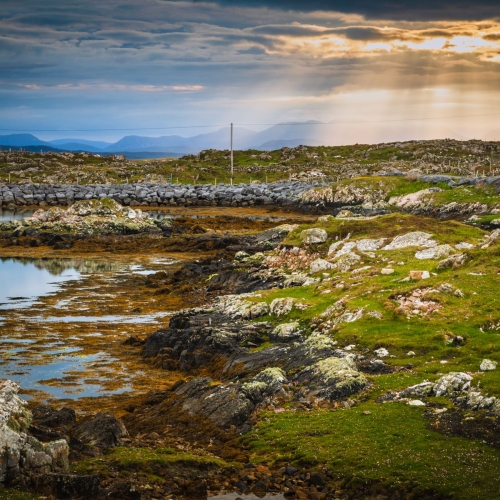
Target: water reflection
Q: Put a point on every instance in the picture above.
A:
(23, 280)
(16, 214)
(57, 267)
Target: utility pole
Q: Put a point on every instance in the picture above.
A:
(232, 163)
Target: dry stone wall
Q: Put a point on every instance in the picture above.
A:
(279, 193)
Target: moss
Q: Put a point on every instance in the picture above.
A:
(141, 459)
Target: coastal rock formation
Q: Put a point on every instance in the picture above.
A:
(21, 455)
(104, 216)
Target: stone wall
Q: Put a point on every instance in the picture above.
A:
(278, 193)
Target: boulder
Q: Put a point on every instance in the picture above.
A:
(452, 384)
(267, 383)
(452, 262)
(488, 365)
(313, 236)
(347, 261)
(284, 305)
(103, 431)
(333, 378)
(320, 265)
(413, 239)
(439, 252)
(286, 332)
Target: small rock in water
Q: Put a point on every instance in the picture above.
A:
(487, 365)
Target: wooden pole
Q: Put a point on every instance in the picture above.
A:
(232, 162)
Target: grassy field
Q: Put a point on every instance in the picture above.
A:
(394, 443)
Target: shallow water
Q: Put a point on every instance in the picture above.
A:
(16, 214)
(46, 347)
(23, 280)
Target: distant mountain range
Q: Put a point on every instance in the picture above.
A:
(291, 134)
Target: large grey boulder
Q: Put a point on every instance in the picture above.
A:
(413, 239)
(313, 236)
(21, 454)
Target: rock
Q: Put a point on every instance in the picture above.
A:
(319, 265)
(367, 245)
(103, 431)
(411, 353)
(416, 402)
(414, 239)
(464, 246)
(47, 416)
(333, 378)
(326, 218)
(419, 275)
(284, 305)
(347, 261)
(267, 383)
(286, 332)
(453, 262)
(452, 384)
(387, 270)
(58, 451)
(22, 455)
(239, 256)
(382, 352)
(313, 236)
(226, 405)
(488, 365)
(435, 252)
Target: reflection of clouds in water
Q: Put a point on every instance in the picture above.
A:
(57, 267)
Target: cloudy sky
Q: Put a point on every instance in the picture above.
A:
(410, 69)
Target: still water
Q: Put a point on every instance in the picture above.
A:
(45, 346)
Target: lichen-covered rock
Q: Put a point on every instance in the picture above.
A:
(413, 239)
(313, 236)
(370, 245)
(238, 306)
(439, 252)
(488, 365)
(13, 409)
(347, 261)
(284, 305)
(452, 384)
(286, 332)
(320, 265)
(104, 216)
(21, 454)
(334, 378)
(453, 262)
(266, 383)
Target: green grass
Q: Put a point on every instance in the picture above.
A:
(10, 494)
(392, 444)
(142, 459)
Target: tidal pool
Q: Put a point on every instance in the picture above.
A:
(63, 322)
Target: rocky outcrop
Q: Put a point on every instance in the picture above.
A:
(104, 216)
(23, 456)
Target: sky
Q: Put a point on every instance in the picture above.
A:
(102, 69)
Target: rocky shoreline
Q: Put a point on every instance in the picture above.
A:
(267, 340)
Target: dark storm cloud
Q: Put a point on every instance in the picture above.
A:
(410, 10)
